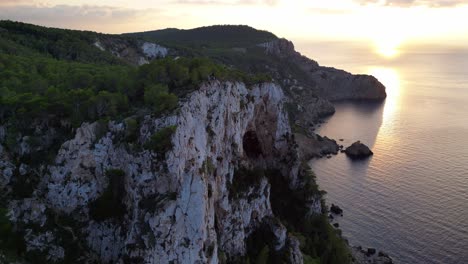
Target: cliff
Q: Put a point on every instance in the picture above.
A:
(203, 199)
(174, 161)
(312, 88)
(329, 83)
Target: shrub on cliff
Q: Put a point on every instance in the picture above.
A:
(160, 142)
(158, 97)
(243, 179)
(11, 242)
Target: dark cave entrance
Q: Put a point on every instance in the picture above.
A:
(251, 144)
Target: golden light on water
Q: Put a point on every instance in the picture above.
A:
(387, 137)
(391, 79)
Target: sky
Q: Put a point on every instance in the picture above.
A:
(386, 23)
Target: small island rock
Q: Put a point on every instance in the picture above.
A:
(371, 251)
(336, 209)
(358, 151)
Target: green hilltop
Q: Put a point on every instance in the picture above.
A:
(219, 36)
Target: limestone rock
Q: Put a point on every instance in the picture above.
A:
(178, 206)
(361, 256)
(358, 151)
(315, 146)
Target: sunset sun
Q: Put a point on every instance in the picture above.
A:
(387, 49)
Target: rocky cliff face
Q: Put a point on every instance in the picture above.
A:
(133, 51)
(202, 201)
(312, 87)
(330, 83)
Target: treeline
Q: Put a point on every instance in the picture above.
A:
(219, 36)
(18, 38)
(35, 86)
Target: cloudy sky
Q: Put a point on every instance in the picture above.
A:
(385, 21)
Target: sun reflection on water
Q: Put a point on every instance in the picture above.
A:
(391, 79)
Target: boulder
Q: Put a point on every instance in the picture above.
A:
(336, 209)
(358, 151)
(371, 251)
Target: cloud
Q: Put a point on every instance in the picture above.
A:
(14, 2)
(329, 11)
(99, 18)
(409, 3)
(228, 2)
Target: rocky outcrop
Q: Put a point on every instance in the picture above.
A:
(329, 83)
(336, 85)
(312, 87)
(136, 52)
(335, 209)
(369, 256)
(190, 204)
(284, 48)
(6, 170)
(315, 146)
(358, 151)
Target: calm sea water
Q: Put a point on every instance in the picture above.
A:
(411, 198)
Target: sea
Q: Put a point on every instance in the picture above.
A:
(410, 199)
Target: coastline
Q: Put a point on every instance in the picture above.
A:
(314, 146)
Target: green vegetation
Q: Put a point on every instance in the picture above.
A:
(262, 258)
(57, 79)
(11, 242)
(243, 179)
(208, 167)
(320, 242)
(35, 87)
(160, 142)
(18, 38)
(131, 129)
(110, 204)
(220, 36)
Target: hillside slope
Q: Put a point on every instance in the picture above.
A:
(308, 86)
(116, 149)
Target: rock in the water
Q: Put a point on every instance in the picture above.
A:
(315, 146)
(336, 225)
(361, 256)
(336, 209)
(358, 151)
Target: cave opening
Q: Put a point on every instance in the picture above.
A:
(251, 144)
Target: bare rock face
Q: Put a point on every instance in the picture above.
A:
(358, 151)
(311, 87)
(182, 206)
(315, 146)
(329, 83)
(133, 52)
(336, 85)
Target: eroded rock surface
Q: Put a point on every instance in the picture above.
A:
(358, 151)
(182, 206)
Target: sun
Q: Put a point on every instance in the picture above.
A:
(387, 47)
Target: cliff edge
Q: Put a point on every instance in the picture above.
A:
(203, 196)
